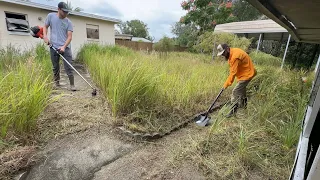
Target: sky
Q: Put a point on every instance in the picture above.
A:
(159, 15)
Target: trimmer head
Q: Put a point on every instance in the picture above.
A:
(94, 92)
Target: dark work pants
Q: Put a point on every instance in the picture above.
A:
(56, 66)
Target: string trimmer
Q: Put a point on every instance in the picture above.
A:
(37, 32)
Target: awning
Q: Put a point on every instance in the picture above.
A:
(299, 17)
(252, 29)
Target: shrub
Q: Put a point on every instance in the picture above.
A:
(164, 45)
(210, 40)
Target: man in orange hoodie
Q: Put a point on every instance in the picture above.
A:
(242, 68)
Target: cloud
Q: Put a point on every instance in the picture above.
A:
(159, 15)
(105, 10)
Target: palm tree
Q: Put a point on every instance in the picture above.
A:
(77, 9)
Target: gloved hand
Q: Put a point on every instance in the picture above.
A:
(226, 85)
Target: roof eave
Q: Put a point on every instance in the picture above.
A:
(272, 13)
(51, 8)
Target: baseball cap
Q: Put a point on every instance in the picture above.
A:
(221, 48)
(64, 7)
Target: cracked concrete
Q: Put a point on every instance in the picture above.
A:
(79, 158)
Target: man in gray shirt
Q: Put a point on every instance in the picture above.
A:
(61, 30)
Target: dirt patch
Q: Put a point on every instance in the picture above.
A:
(152, 161)
(73, 111)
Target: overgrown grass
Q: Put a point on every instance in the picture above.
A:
(151, 92)
(25, 88)
(260, 142)
(155, 93)
(261, 58)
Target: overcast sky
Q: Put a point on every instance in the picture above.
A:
(159, 15)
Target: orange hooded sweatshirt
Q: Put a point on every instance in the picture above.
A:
(241, 66)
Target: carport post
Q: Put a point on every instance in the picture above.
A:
(259, 42)
(317, 66)
(285, 52)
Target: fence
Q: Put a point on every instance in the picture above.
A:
(145, 46)
(179, 48)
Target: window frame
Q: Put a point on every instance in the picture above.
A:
(98, 28)
(25, 33)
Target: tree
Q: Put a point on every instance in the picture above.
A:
(164, 46)
(136, 28)
(207, 13)
(206, 40)
(77, 9)
(186, 34)
(244, 11)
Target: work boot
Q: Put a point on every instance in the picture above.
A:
(72, 87)
(56, 85)
(244, 103)
(233, 111)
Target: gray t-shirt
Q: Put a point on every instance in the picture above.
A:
(58, 29)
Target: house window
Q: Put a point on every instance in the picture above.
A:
(92, 31)
(17, 22)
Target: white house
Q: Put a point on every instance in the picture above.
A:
(16, 17)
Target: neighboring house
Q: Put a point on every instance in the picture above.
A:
(123, 37)
(16, 17)
(129, 37)
(139, 39)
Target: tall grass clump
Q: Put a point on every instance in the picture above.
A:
(261, 58)
(25, 88)
(10, 57)
(155, 93)
(128, 85)
(285, 97)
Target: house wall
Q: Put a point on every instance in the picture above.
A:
(25, 41)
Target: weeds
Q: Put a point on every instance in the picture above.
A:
(151, 93)
(260, 58)
(260, 142)
(25, 88)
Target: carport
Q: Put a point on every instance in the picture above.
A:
(258, 30)
(301, 19)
